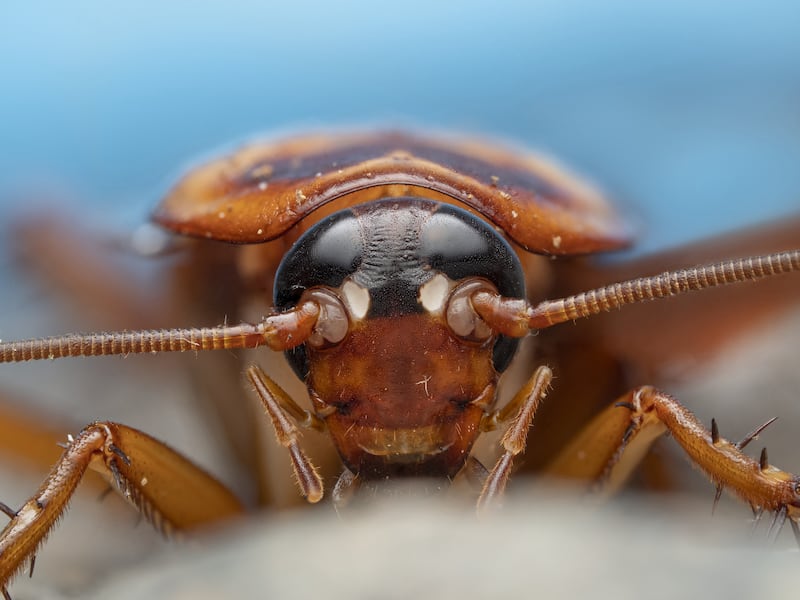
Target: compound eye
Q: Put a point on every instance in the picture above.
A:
(461, 316)
(333, 322)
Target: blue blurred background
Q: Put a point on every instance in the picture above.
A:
(687, 112)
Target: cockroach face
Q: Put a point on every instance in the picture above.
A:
(400, 366)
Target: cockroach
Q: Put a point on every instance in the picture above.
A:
(398, 263)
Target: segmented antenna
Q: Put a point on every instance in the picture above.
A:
(279, 332)
(509, 316)
(671, 283)
(130, 342)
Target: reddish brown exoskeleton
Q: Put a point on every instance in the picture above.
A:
(399, 301)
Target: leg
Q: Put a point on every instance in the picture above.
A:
(171, 492)
(522, 408)
(612, 444)
(607, 450)
(280, 407)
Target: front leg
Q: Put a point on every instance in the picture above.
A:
(520, 411)
(170, 491)
(612, 444)
(284, 412)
